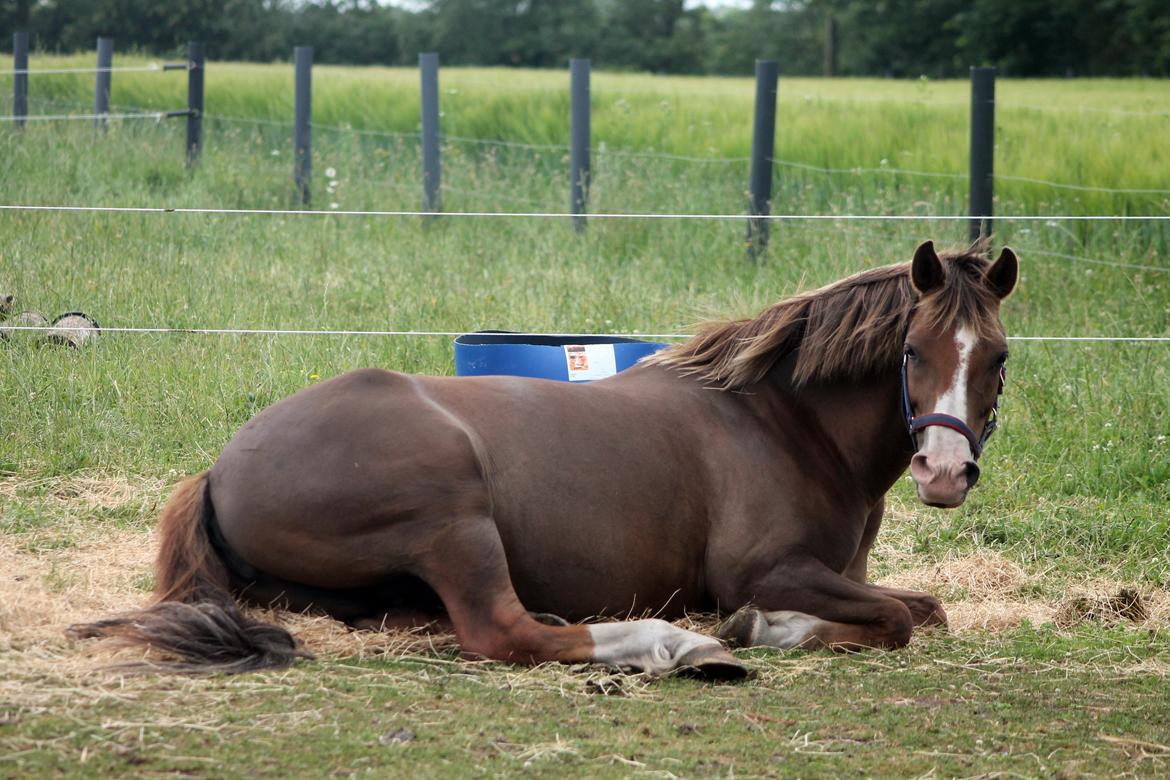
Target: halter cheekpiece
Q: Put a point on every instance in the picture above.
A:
(916, 424)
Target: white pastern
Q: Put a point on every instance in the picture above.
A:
(940, 442)
(786, 629)
(653, 646)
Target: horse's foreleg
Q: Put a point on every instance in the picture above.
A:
(468, 569)
(857, 569)
(808, 605)
(925, 609)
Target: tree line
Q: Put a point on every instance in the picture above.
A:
(896, 38)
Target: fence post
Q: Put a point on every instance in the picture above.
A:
(303, 120)
(763, 146)
(982, 151)
(101, 94)
(195, 72)
(19, 79)
(428, 65)
(829, 64)
(578, 140)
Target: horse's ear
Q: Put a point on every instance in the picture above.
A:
(926, 271)
(1003, 273)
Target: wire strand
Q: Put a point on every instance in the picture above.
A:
(601, 151)
(74, 117)
(1049, 218)
(58, 71)
(1094, 261)
(456, 333)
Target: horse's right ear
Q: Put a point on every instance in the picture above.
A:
(926, 271)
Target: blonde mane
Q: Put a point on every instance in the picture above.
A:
(849, 329)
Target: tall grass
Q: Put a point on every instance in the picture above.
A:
(1096, 134)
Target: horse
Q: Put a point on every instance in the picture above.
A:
(742, 472)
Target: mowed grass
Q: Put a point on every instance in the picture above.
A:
(1074, 488)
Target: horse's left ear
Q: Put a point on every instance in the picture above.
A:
(1003, 273)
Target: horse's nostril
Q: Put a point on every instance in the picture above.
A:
(921, 468)
(972, 469)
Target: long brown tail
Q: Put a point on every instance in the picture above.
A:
(195, 620)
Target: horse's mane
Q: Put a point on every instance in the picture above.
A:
(849, 329)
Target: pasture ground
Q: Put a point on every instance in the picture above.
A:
(1020, 685)
(1055, 572)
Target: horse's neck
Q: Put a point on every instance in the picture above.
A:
(862, 421)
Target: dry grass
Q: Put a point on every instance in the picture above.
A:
(104, 570)
(86, 490)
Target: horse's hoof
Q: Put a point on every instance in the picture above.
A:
(742, 629)
(548, 619)
(711, 662)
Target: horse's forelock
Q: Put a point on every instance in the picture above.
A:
(964, 299)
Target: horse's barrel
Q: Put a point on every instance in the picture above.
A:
(26, 319)
(74, 329)
(566, 358)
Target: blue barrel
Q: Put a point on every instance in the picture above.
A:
(567, 358)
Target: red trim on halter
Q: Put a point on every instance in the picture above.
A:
(947, 421)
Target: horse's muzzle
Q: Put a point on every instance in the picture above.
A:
(943, 484)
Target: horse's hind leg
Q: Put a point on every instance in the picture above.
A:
(469, 571)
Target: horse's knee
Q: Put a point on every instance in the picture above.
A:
(928, 611)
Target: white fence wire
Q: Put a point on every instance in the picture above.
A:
(601, 151)
(117, 69)
(1046, 218)
(456, 333)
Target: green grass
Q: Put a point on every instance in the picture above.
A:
(1075, 486)
(1099, 133)
(1031, 704)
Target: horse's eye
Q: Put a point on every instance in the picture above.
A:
(911, 352)
(1001, 360)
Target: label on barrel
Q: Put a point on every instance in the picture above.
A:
(590, 361)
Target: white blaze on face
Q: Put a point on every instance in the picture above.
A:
(939, 443)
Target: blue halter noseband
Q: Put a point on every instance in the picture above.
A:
(916, 424)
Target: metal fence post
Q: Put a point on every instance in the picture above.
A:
(303, 120)
(20, 77)
(195, 72)
(428, 65)
(982, 151)
(763, 146)
(578, 140)
(101, 94)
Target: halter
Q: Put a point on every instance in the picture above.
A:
(916, 424)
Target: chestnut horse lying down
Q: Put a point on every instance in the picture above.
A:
(741, 472)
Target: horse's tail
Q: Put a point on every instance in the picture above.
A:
(195, 619)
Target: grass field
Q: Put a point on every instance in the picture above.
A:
(1044, 673)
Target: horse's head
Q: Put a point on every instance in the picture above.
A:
(954, 367)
